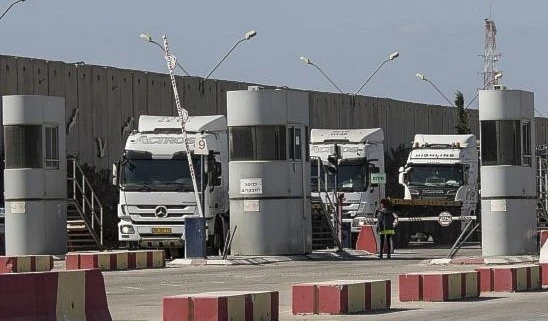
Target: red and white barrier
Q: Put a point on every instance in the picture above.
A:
(510, 278)
(60, 296)
(222, 306)
(439, 286)
(369, 240)
(123, 260)
(341, 297)
(25, 263)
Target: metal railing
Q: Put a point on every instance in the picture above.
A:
(86, 201)
(329, 208)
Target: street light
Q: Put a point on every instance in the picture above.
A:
(148, 38)
(307, 61)
(422, 77)
(8, 9)
(248, 35)
(498, 75)
(393, 56)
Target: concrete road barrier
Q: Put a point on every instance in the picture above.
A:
(121, 260)
(510, 278)
(222, 306)
(60, 296)
(439, 286)
(25, 263)
(341, 297)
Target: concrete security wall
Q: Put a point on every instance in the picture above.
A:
(103, 105)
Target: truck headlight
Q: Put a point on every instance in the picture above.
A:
(127, 229)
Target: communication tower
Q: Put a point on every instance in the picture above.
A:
(490, 55)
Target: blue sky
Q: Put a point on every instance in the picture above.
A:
(347, 39)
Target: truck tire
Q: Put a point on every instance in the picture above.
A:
(401, 239)
(219, 235)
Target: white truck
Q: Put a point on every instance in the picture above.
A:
(361, 154)
(440, 180)
(155, 186)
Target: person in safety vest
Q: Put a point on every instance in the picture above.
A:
(385, 226)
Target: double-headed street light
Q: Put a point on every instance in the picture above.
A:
(498, 75)
(422, 77)
(392, 56)
(148, 38)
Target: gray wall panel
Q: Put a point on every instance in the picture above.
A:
(72, 108)
(114, 115)
(8, 74)
(85, 121)
(99, 104)
(40, 79)
(194, 101)
(435, 124)
(140, 102)
(320, 115)
(56, 78)
(383, 104)
(128, 120)
(159, 94)
(25, 76)
(345, 108)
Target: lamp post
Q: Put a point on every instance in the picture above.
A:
(10, 6)
(307, 61)
(498, 75)
(422, 77)
(148, 38)
(248, 35)
(392, 56)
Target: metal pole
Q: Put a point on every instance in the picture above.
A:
(202, 203)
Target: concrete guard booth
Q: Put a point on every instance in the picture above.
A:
(269, 172)
(508, 186)
(35, 185)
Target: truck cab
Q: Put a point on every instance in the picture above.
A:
(442, 167)
(155, 182)
(356, 154)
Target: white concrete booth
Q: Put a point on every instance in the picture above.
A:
(35, 185)
(508, 182)
(269, 172)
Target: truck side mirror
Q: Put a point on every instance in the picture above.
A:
(114, 174)
(214, 170)
(402, 178)
(374, 170)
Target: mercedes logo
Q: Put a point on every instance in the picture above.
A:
(160, 211)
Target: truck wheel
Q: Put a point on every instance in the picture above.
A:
(219, 235)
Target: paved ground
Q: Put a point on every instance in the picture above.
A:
(137, 295)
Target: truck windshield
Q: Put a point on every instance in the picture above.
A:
(436, 175)
(159, 175)
(351, 177)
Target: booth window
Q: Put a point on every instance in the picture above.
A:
(526, 142)
(23, 146)
(295, 143)
(52, 146)
(257, 143)
(501, 142)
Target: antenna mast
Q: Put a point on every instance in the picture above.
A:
(490, 55)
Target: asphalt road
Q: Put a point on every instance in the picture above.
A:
(137, 295)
